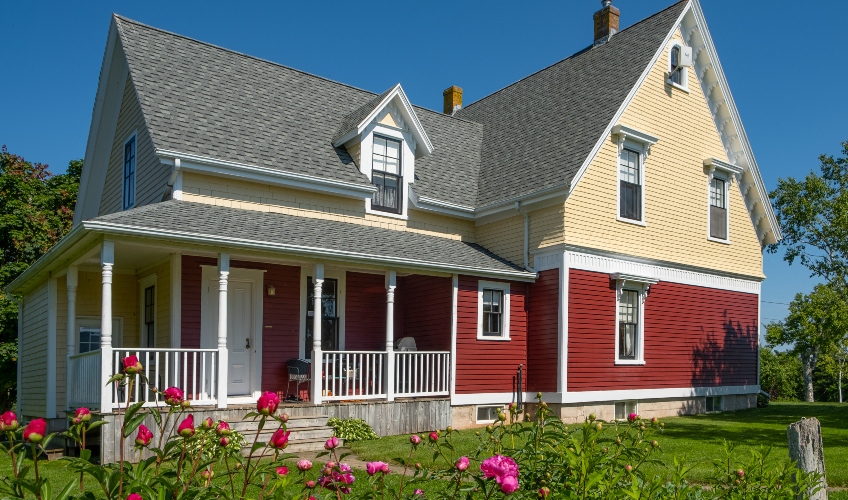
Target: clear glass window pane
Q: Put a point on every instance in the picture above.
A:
(379, 146)
(393, 149)
(629, 167)
(717, 193)
(628, 324)
(391, 166)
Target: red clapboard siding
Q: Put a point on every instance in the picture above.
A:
(281, 315)
(543, 334)
(485, 365)
(365, 312)
(426, 311)
(694, 337)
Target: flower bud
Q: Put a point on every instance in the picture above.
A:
(628, 468)
(599, 426)
(434, 437)
(449, 429)
(655, 443)
(591, 417)
(415, 439)
(207, 474)
(544, 492)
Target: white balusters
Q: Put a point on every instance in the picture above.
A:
(194, 371)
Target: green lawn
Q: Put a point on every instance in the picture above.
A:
(698, 438)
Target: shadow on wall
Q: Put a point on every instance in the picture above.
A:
(726, 357)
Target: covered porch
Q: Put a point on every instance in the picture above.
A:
(225, 327)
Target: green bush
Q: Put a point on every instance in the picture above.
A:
(352, 429)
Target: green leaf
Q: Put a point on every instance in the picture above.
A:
(133, 423)
(66, 491)
(96, 424)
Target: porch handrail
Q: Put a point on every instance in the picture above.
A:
(422, 373)
(351, 375)
(84, 379)
(194, 371)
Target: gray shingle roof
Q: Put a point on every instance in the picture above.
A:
(353, 119)
(539, 130)
(301, 235)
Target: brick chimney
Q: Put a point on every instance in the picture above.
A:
(606, 22)
(453, 99)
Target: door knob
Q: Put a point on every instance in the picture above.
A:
(247, 345)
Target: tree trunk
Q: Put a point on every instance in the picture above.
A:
(807, 363)
(840, 383)
(806, 450)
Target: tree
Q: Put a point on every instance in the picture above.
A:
(815, 326)
(813, 214)
(36, 210)
(780, 375)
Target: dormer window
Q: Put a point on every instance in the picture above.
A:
(386, 174)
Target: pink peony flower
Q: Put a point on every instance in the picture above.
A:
(8, 421)
(419, 492)
(186, 427)
(509, 485)
(304, 465)
(225, 441)
(173, 396)
(280, 439)
(207, 474)
(740, 473)
(267, 403)
(82, 415)
(132, 365)
(282, 471)
(311, 485)
(134, 496)
(434, 436)
(223, 428)
(331, 443)
(375, 467)
(462, 464)
(544, 492)
(207, 423)
(415, 439)
(35, 431)
(632, 417)
(144, 436)
(499, 467)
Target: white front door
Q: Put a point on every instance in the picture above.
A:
(244, 313)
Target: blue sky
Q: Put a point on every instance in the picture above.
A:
(786, 65)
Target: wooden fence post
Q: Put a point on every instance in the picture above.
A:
(806, 450)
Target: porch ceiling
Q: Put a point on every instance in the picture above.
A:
(181, 221)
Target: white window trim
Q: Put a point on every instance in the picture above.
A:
(642, 285)
(95, 322)
(142, 285)
(132, 137)
(730, 173)
(493, 285)
(477, 413)
(625, 403)
(407, 160)
(640, 142)
(685, 73)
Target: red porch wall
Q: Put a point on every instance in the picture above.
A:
(543, 338)
(485, 365)
(426, 306)
(694, 336)
(365, 312)
(281, 315)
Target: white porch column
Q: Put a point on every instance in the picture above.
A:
(317, 314)
(391, 284)
(72, 280)
(107, 261)
(223, 353)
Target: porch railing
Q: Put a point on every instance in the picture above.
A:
(352, 375)
(422, 373)
(192, 370)
(84, 380)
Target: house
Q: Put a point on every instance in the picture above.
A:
(593, 232)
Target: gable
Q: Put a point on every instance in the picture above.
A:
(675, 229)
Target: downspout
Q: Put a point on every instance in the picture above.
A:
(18, 361)
(526, 236)
(172, 183)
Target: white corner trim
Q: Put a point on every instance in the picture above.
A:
(625, 132)
(52, 311)
(175, 312)
(225, 168)
(453, 331)
(493, 285)
(562, 324)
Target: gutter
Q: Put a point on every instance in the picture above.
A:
(526, 237)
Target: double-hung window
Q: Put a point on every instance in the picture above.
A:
(676, 75)
(718, 208)
(630, 185)
(89, 338)
(631, 292)
(129, 173)
(628, 325)
(493, 311)
(386, 175)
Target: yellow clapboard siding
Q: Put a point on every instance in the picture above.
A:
(675, 187)
(262, 197)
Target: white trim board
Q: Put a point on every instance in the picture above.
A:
(644, 394)
(608, 265)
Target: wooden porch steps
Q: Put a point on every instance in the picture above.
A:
(308, 433)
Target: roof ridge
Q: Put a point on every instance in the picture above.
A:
(214, 46)
(578, 53)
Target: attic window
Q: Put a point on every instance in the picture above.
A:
(386, 175)
(678, 62)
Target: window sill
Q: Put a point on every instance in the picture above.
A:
(717, 240)
(494, 339)
(629, 362)
(390, 215)
(677, 86)
(631, 221)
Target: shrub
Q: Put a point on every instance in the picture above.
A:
(352, 429)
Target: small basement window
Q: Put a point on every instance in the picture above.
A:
(488, 414)
(713, 404)
(625, 408)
